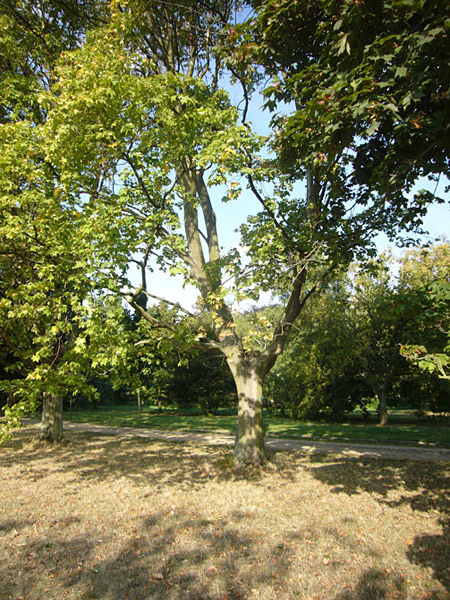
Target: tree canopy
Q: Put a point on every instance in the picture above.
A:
(370, 82)
(136, 129)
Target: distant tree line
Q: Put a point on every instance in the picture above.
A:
(351, 347)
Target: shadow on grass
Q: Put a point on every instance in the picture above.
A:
(425, 488)
(39, 563)
(220, 562)
(8, 525)
(433, 551)
(150, 463)
(376, 584)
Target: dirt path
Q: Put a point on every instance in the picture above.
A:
(349, 449)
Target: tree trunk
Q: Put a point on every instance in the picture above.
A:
(249, 440)
(382, 398)
(10, 398)
(382, 404)
(51, 423)
(139, 403)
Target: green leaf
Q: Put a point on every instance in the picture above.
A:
(373, 128)
(343, 45)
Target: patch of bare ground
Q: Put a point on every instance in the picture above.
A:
(118, 518)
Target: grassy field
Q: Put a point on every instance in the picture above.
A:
(103, 518)
(276, 427)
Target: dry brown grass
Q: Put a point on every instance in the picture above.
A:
(120, 518)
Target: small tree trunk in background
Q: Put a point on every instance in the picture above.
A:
(383, 408)
(51, 423)
(139, 403)
(382, 398)
(249, 441)
(10, 398)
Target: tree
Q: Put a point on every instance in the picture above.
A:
(384, 315)
(43, 277)
(427, 270)
(318, 375)
(370, 84)
(175, 123)
(142, 359)
(142, 101)
(387, 306)
(42, 282)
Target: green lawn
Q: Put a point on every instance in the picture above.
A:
(274, 426)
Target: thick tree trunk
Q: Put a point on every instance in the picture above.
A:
(249, 440)
(51, 423)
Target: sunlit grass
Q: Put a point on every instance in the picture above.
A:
(127, 416)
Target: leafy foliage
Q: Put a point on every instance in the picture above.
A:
(370, 85)
(125, 132)
(43, 269)
(33, 36)
(347, 346)
(433, 355)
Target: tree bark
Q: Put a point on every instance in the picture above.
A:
(382, 398)
(52, 422)
(10, 398)
(249, 441)
(382, 404)
(139, 403)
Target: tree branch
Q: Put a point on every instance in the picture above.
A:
(292, 311)
(272, 215)
(145, 314)
(210, 218)
(174, 304)
(195, 258)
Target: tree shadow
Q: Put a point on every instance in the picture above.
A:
(433, 551)
(422, 486)
(40, 563)
(376, 584)
(100, 457)
(221, 560)
(220, 554)
(8, 525)
(218, 562)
